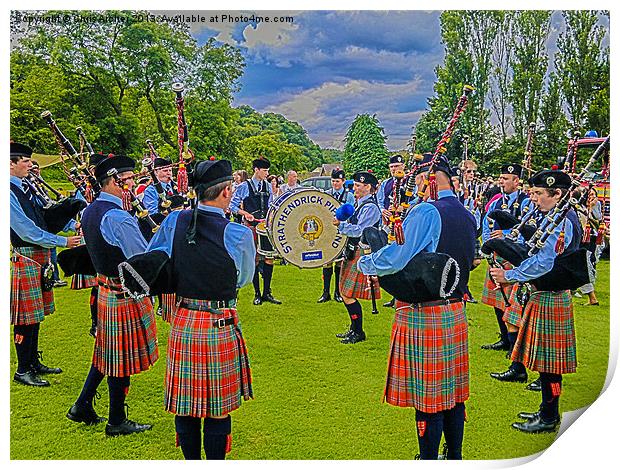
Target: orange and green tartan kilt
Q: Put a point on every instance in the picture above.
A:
(513, 313)
(207, 368)
(29, 304)
(353, 282)
(546, 341)
(126, 341)
(428, 362)
(490, 296)
(83, 281)
(168, 306)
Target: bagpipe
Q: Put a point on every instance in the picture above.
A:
(186, 155)
(426, 277)
(166, 203)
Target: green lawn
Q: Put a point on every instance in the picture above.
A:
(314, 397)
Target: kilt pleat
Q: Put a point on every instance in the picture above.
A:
(428, 362)
(168, 306)
(29, 304)
(83, 281)
(546, 341)
(207, 369)
(353, 283)
(126, 341)
(513, 313)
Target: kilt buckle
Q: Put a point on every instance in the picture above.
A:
(221, 322)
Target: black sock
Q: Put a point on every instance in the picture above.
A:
(503, 331)
(327, 279)
(518, 367)
(118, 388)
(188, 436)
(267, 273)
(551, 385)
(94, 294)
(34, 345)
(430, 428)
(256, 282)
(355, 314)
(22, 337)
(453, 427)
(216, 436)
(512, 339)
(93, 379)
(337, 275)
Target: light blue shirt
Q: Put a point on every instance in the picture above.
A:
(238, 241)
(243, 191)
(151, 198)
(25, 227)
(368, 216)
(119, 228)
(497, 204)
(542, 262)
(422, 229)
(469, 204)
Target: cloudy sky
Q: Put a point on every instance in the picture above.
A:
(326, 67)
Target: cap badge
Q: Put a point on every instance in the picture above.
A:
(511, 169)
(550, 180)
(362, 179)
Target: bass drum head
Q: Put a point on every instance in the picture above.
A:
(300, 227)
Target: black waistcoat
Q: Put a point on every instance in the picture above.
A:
(257, 202)
(457, 238)
(105, 257)
(371, 200)
(342, 197)
(32, 211)
(205, 270)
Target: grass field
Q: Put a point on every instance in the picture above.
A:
(314, 397)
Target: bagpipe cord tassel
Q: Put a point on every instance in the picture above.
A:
(601, 234)
(126, 197)
(432, 181)
(399, 233)
(559, 245)
(587, 234)
(182, 183)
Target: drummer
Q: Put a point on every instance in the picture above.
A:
(343, 196)
(255, 195)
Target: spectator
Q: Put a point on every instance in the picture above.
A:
(292, 182)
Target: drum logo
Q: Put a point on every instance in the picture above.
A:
(310, 228)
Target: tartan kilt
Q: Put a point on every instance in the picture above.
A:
(168, 306)
(83, 281)
(428, 362)
(207, 368)
(546, 341)
(126, 341)
(492, 297)
(353, 283)
(29, 304)
(513, 313)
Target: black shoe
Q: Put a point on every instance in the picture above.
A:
(472, 301)
(257, 299)
(533, 416)
(84, 414)
(59, 283)
(42, 369)
(337, 296)
(269, 298)
(30, 378)
(324, 298)
(391, 303)
(500, 345)
(534, 386)
(345, 334)
(159, 311)
(126, 427)
(537, 425)
(93, 331)
(354, 338)
(510, 376)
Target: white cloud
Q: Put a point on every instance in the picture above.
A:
(268, 34)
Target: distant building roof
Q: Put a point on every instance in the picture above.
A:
(326, 169)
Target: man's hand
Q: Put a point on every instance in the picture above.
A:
(371, 280)
(497, 234)
(247, 216)
(73, 241)
(498, 275)
(336, 222)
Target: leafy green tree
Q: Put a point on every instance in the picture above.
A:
(282, 155)
(365, 147)
(552, 136)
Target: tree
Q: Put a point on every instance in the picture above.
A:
(282, 155)
(554, 125)
(578, 62)
(501, 72)
(365, 147)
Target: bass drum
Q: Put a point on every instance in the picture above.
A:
(299, 225)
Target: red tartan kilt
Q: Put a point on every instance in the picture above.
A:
(546, 341)
(513, 313)
(428, 363)
(83, 281)
(353, 283)
(207, 368)
(168, 306)
(126, 341)
(29, 304)
(490, 296)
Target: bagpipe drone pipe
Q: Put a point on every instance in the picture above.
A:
(426, 277)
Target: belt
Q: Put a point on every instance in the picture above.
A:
(212, 307)
(435, 303)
